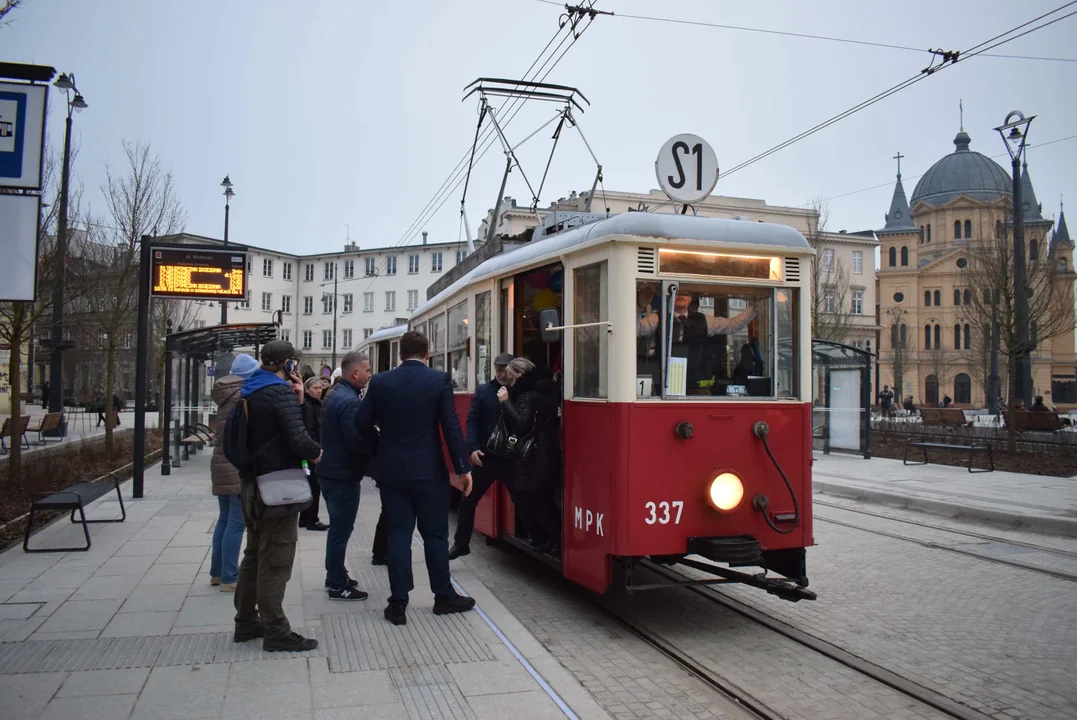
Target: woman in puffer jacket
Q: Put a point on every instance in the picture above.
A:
(228, 533)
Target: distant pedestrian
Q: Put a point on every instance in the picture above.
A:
(485, 467)
(342, 470)
(947, 401)
(1038, 406)
(409, 404)
(228, 532)
(277, 440)
(312, 418)
(45, 387)
(886, 400)
(1020, 405)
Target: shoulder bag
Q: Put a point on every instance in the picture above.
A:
(282, 492)
(510, 446)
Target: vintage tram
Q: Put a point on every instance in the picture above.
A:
(682, 349)
(382, 347)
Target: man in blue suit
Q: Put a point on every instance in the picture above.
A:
(409, 404)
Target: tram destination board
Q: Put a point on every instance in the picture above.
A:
(198, 274)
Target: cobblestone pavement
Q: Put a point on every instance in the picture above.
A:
(633, 680)
(1000, 639)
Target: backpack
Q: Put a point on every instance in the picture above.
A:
(235, 438)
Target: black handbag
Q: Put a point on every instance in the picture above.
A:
(510, 446)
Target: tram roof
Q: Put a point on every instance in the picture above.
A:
(641, 226)
(385, 334)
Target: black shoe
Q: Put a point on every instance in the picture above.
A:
(458, 550)
(379, 561)
(351, 583)
(396, 613)
(317, 526)
(248, 633)
(292, 642)
(447, 604)
(348, 593)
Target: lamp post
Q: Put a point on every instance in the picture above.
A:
(228, 195)
(75, 103)
(1014, 133)
(993, 387)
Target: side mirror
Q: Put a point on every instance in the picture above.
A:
(549, 318)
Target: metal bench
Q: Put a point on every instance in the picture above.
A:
(52, 424)
(73, 498)
(971, 448)
(14, 428)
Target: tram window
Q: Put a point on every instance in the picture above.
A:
(437, 342)
(788, 348)
(591, 355)
(727, 351)
(458, 346)
(483, 367)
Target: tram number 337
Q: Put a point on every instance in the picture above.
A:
(664, 513)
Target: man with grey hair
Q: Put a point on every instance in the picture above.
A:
(341, 471)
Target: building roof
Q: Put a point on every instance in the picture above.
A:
(1029, 205)
(899, 217)
(1062, 233)
(962, 172)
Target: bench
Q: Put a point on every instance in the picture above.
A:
(197, 435)
(1038, 421)
(73, 498)
(13, 430)
(51, 423)
(971, 448)
(944, 417)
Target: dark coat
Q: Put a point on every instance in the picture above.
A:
(532, 407)
(410, 404)
(312, 416)
(276, 434)
(346, 456)
(482, 416)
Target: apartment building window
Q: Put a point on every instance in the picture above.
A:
(371, 267)
(327, 339)
(329, 271)
(245, 303)
(367, 332)
(308, 339)
(858, 302)
(460, 255)
(286, 335)
(828, 259)
(390, 265)
(346, 338)
(267, 267)
(413, 299)
(286, 270)
(267, 302)
(349, 269)
(349, 302)
(286, 304)
(308, 272)
(828, 301)
(368, 302)
(328, 304)
(858, 262)
(413, 264)
(390, 300)
(435, 262)
(308, 304)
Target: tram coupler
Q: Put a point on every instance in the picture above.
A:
(781, 587)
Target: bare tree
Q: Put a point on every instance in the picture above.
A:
(940, 364)
(6, 6)
(1050, 301)
(899, 352)
(831, 298)
(141, 200)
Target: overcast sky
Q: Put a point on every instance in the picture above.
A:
(349, 112)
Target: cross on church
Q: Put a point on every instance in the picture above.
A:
(898, 158)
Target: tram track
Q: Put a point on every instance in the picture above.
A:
(744, 698)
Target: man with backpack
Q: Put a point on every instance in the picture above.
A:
(266, 434)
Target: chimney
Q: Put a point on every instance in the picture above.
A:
(424, 237)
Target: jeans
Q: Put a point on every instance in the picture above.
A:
(425, 502)
(342, 502)
(227, 539)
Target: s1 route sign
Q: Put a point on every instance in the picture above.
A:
(687, 168)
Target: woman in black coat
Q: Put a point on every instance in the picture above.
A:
(529, 406)
(312, 418)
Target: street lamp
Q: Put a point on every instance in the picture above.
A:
(75, 103)
(228, 195)
(1014, 134)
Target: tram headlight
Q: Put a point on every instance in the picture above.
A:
(726, 491)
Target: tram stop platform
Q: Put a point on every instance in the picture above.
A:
(132, 629)
(1036, 503)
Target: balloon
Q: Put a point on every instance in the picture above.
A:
(557, 281)
(545, 298)
(538, 279)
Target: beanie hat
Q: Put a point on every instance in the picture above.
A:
(244, 366)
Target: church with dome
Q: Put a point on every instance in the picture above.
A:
(921, 289)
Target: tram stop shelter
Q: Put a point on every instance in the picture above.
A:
(841, 398)
(187, 381)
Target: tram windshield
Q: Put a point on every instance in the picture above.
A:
(715, 340)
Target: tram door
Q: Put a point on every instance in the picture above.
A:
(385, 361)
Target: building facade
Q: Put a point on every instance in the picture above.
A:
(933, 346)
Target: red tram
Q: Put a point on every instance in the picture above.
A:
(682, 345)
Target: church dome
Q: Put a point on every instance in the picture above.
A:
(962, 172)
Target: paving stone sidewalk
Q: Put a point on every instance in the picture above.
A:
(132, 629)
(1033, 502)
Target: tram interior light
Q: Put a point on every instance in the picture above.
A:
(726, 491)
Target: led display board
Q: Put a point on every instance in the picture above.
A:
(198, 273)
